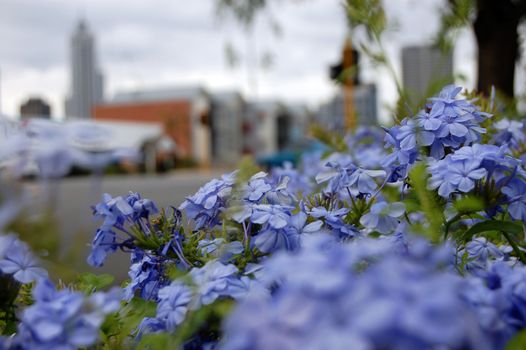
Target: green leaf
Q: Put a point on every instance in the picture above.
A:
(518, 342)
(493, 225)
(469, 204)
(89, 282)
(155, 342)
(434, 215)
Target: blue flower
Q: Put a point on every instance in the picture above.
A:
(113, 211)
(64, 319)
(173, 305)
(334, 220)
(17, 260)
(479, 248)
(215, 280)
(142, 207)
(363, 294)
(209, 202)
(498, 298)
(299, 181)
(449, 175)
(362, 180)
(336, 172)
(146, 277)
(383, 217)
(464, 174)
(257, 187)
(516, 192)
(219, 249)
(276, 216)
(509, 132)
(298, 225)
(103, 244)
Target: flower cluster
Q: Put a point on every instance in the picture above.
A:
(350, 250)
(481, 167)
(206, 206)
(213, 281)
(364, 295)
(446, 124)
(119, 214)
(63, 319)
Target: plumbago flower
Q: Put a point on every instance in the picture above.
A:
(119, 214)
(446, 124)
(209, 202)
(498, 297)
(63, 319)
(383, 304)
(298, 182)
(515, 190)
(383, 217)
(366, 148)
(481, 249)
(320, 257)
(463, 169)
(334, 220)
(17, 260)
(342, 175)
(213, 281)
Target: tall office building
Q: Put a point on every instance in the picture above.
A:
(86, 89)
(423, 66)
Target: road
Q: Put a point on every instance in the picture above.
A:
(71, 200)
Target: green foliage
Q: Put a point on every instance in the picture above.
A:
(427, 203)
(369, 14)
(243, 11)
(518, 342)
(8, 294)
(492, 225)
(156, 342)
(246, 168)
(455, 17)
(468, 204)
(118, 327)
(89, 282)
(39, 231)
(205, 321)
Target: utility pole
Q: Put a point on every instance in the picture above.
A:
(348, 85)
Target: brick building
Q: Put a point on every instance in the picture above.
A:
(182, 113)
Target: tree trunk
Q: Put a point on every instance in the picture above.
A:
(495, 29)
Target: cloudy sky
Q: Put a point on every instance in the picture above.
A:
(161, 43)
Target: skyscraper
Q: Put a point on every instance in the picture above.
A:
(423, 66)
(86, 89)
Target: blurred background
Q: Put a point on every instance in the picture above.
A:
(194, 86)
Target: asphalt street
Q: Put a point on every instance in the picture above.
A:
(71, 200)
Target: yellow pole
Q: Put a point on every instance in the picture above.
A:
(348, 97)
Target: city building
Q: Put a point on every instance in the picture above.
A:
(331, 113)
(423, 67)
(226, 123)
(86, 85)
(35, 107)
(184, 114)
(271, 125)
